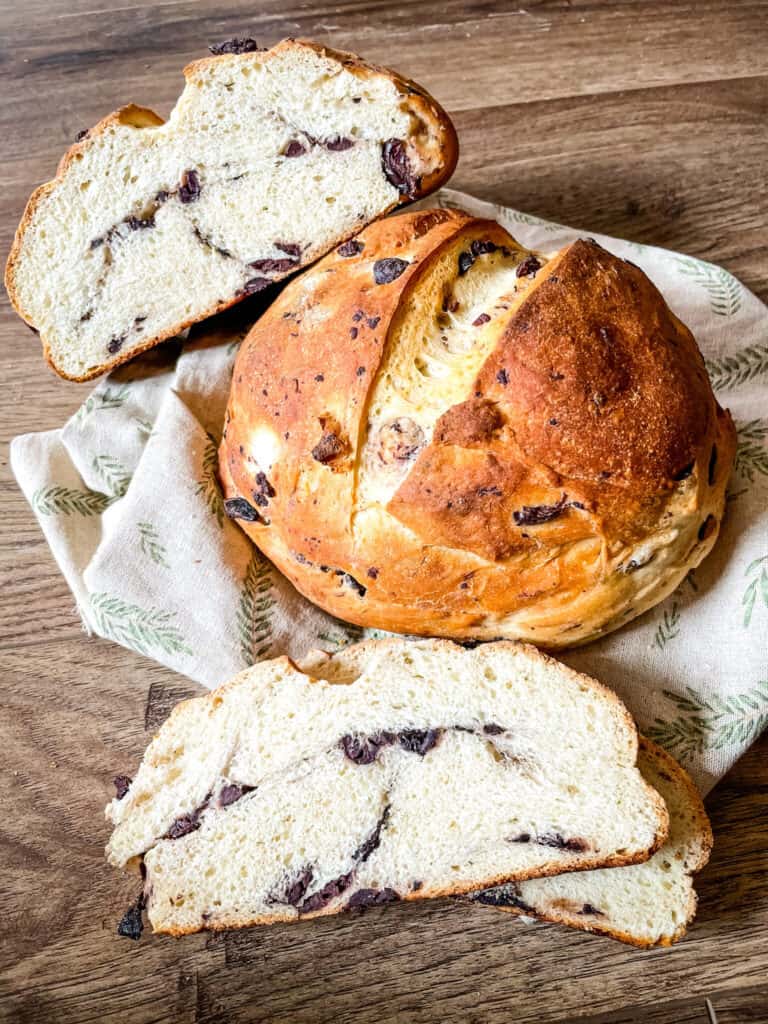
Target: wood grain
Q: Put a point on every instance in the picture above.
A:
(645, 120)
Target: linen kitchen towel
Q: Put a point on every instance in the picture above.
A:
(127, 497)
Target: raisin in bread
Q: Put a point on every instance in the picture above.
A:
(477, 442)
(645, 904)
(268, 160)
(397, 770)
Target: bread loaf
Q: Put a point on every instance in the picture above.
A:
(267, 161)
(433, 431)
(393, 770)
(645, 904)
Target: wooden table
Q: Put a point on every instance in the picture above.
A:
(643, 120)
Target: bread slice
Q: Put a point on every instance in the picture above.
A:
(393, 770)
(268, 160)
(646, 904)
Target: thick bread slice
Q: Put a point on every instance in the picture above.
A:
(268, 160)
(646, 904)
(397, 770)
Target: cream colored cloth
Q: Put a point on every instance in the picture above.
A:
(127, 497)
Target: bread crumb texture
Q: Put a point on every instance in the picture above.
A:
(644, 904)
(393, 770)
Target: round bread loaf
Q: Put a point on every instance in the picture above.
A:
(436, 432)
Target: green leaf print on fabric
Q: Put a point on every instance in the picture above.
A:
(342, 635)
(109, 398)
(143, 630)
(637, 247)
(114, 474)
(208, 483)
(689, 580)
(732, 371)
(67, 501)
(669, 626)
(255, 611)
(236, 342)
(751, 451)
(447, 203)
(517, 217)
(144, 428)
(757, 589)
(711, 723)
(724, 291)
(150, 544)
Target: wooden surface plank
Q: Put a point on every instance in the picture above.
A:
(699, 185)
(488, 50)
(643, 120)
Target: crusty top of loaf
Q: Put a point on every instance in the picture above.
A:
(569, 468)
(592, 341)
(592, 380)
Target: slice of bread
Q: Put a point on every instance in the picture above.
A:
(646, 904)
(268, 160)
(392, 770)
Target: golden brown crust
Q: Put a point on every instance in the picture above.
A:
(593, 927)
(590, 344)
(667, 763)
(592, 406)
(419, 100)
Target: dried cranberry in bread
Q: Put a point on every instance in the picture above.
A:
(268, 160)
(392, 770)
(647, 904)
(440, 433)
